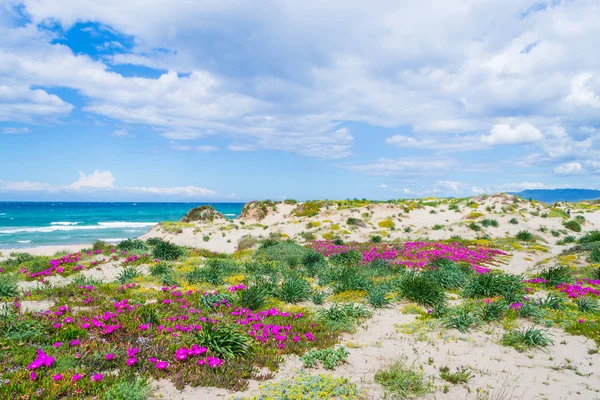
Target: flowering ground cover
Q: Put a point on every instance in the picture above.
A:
(198, 318)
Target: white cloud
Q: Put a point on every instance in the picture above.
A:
(383, 186)
(477, 190)
(120, 133)
(451, 185)
(103, 181)
(505, 134)
(569, 169)
(14, 131)
(388, 166)
(198, 149)
(190, 191)
(447, 144)
(97, 179)
(517, 187)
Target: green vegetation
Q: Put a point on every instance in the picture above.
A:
(526, 339)
(402, 381)
(573, 226)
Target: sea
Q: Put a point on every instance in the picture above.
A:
(30, 224)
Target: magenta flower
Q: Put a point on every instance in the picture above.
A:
(57, 344)
(76, 377)
(581, 320)
(75, 342)
(33, 376)
(109, 356)
(161, 365)
(152, 360)
(131, 361)
(57, 377)
(97, 377)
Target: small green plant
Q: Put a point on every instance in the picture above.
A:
(8, 287)
(224, 340)
(167, 251)
(590, 237)
(461, 319)
(525, 339)
(376, 239)
(254, 297)
(132, 245)
(566, 240)
(594, 256)
(349, 258)
(573, 226)
(513, 221)
(128, 274)
(294, 290)
(474, 226)
(556, 275)
(136, 389)
(330, 357)
(402, 381)
(160, 268)
(421, 290)
(495, 284)
(304, 386)
(378, 297)
(318, 298)
(524, 236)
(490, 222)
(588, 304)
(461, 375)
(386, 223)
(343, 317)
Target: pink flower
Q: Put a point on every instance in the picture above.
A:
(581, 320)
(131, 361)
(57, 377)
(109, 356)
(161, 365)
(76, 377)
(33, 376)
(97, 377)
(57, 344)
(75, 342)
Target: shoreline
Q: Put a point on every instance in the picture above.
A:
(44, 250)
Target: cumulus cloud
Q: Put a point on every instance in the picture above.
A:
(505, 134)
(97, 179)
(569, 168)
(104, 181)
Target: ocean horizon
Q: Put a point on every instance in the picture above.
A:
(30, 224)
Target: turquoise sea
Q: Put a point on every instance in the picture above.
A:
(29, 224)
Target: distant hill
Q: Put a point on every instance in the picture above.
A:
(553, 195)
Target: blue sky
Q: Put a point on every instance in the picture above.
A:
(231, 101)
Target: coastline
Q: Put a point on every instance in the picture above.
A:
(44, 250)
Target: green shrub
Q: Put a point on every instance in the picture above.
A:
(132, 245)
(462, 375)
(490, 222)
(495, 284)
(294, 290)
(247, 242)
(318, 298)
(573, 226)
(447, 274)
(378, 297)
(224, 340)
(590, 237)
(494, 310)
(313, 262)
(101, 245)
(460, 318)
(136, 389)
(356, 222)
(588, 304)
(351, 278)
(524, 236)
(526, 339)
(474, 226)
(566, 240)
(128, 274)
(255, 297)
(167, 251)
(284, 252)
(402, 382)
(8, 287)
(552, 302)
(418, 288)
(513, 221)
(594, 256)
(376, 239)
(556, 275)
(349, 258)
(580, 219)
(343, 317)
(303, 386)
(330, 357)
(386, 223)
(160, 268)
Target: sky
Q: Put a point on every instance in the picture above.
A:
(160, 100)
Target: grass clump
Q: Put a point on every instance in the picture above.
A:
(556, 275)
(386, 223)
(284, 252)
(128, 274)
(590, 237)
(132, 245)
(418, 288)
(247, 242)
(304, 386)
(349, 258)
(330, 357)
(8, 287)
(447, 274)
(529, 338)
(524, 236)
(294, 290)
(495, 284)
(343, 317)
(461, 375)
(513, 221)
(566, 240)
(224, 340)
(167, 251)
(594, 256)
(402, 381)
(137, 389)
(490, 222)
(573, 226)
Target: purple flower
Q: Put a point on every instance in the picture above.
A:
(76, 377)
(97, 377)
(161, 365)
(109, 356)
(57, 377)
